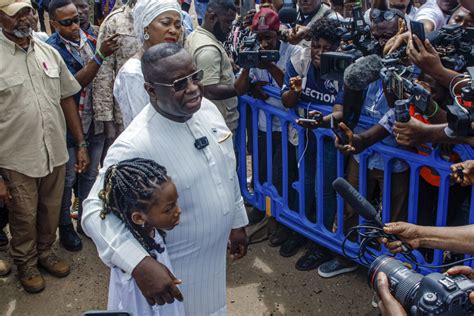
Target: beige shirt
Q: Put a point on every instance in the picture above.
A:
(210, 56)
(32, 124)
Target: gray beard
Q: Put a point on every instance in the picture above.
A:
(22, 34)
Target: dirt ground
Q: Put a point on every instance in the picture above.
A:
(262, 283)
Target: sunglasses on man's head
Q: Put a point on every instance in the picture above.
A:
(181, 83)
(378, 15)
(69, 22)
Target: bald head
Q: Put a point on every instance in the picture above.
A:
(155, 61)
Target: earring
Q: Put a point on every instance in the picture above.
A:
(146, 36)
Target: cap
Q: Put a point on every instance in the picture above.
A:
(11, 7)
(265, 20)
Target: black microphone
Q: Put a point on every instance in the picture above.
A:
(201, 143)
(357, 201)
(363, 72)
(362, 207)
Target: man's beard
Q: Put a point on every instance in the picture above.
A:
(23, 34)
(217, 31)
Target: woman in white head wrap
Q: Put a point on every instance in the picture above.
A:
(155, 22)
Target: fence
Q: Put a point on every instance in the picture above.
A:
(266, 196)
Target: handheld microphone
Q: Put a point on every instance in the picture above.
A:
(363, 207)
(363, 72)
(357, 201)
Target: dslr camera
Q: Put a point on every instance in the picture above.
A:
(433, 294)
(455, 45)
(357, 33)
(461, 113)
(250, 54)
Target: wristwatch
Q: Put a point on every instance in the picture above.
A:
(83, 144)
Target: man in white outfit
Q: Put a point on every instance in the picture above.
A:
(188, 135)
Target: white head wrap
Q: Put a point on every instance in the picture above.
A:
(145, 11)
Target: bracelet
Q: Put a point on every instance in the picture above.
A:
(83, 144)
(97, 61)
(100, 54)
(435, 111)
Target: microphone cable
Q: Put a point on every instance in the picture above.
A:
(370, 236)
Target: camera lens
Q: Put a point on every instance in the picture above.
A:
(341, 64)
(404, 283)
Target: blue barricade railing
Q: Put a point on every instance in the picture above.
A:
(266, 196)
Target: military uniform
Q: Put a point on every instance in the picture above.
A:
(119, 21)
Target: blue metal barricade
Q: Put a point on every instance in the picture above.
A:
(265, 196)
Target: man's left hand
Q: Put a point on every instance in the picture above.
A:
(82, 158)
(238, 243)
(388, 305)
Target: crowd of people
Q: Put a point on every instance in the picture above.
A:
(129, 130)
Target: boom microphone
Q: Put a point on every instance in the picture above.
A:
(363, 72)
(363, 207)
(357, 201)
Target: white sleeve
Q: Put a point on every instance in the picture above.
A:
(431, 12)
(240, 213)
(115, 243)
(130, 93)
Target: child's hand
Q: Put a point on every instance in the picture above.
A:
(238, 243)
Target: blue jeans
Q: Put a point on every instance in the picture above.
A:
(329, 175)
(85, 180)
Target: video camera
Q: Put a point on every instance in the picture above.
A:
(359, 42)
(250, 54)
(399, 80)
(433, 294)
(455, 45)
(461, 113)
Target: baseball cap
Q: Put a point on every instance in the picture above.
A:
(11, 7)
(265, 20)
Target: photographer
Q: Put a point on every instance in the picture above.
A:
(309, 11)
(304, 84)
(265, 25)
(377, 107)
(456, 239)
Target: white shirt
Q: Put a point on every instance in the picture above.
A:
(124, 294)
(256, 74)
(430, 11)
(129, 90)
(209, 197)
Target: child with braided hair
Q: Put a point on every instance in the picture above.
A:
(140, 193)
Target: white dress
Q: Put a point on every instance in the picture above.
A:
(209, 197)
(124, 295)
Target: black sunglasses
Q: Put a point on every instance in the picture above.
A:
(69, 22)
(181, 83)
(378, 15)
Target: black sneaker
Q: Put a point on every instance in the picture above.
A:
(279, 235)
(255, 215)
(291, 246)
(69, 238)
(313, 258)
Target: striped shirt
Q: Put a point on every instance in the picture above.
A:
(209, 197)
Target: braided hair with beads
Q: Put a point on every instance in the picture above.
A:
(129, 186)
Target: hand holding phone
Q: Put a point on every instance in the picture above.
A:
(343, 139)
(418, 29)
(313, 120)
